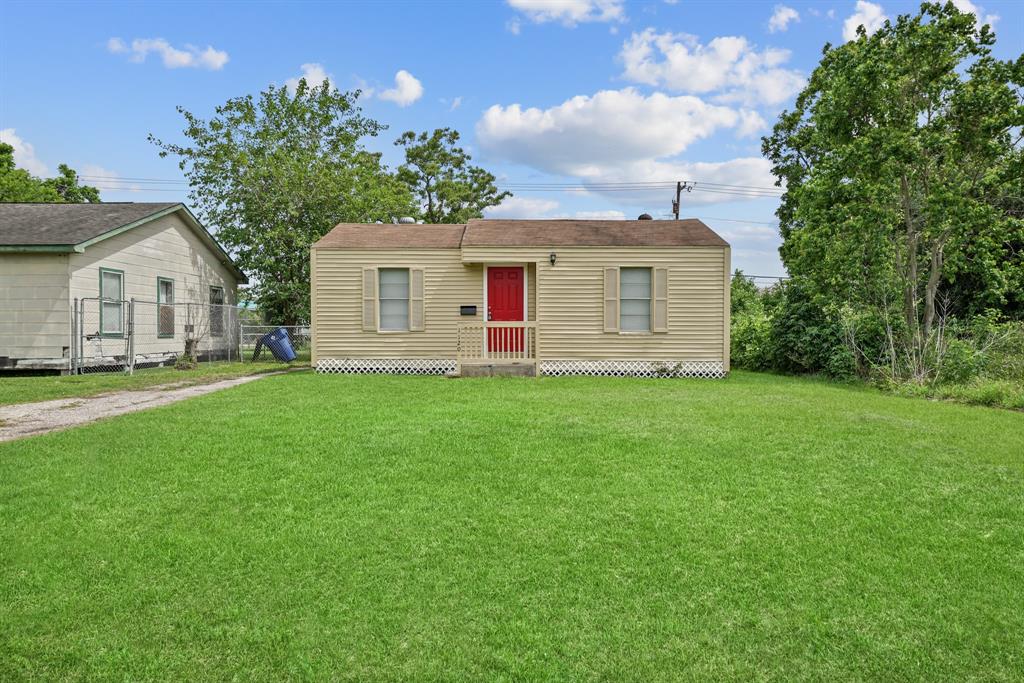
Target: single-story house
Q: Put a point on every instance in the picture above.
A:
(68, 273)
(552, 297)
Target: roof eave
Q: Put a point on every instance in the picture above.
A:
(40, 248)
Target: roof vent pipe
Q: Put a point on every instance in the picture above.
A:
(645, 217)
(407, 220)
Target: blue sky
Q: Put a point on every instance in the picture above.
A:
(587, 93)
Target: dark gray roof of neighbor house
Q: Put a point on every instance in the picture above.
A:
(52, 227)
(689, 232)
(39, 224)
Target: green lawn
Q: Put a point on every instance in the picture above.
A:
(27, 389)
(419, 528)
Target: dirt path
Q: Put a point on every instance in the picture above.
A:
(28, 419)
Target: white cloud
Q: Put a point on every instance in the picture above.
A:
(407, 90)
(868, 14)
(456, 103)
(588, 132)
(969, 7)
(24, 153)
(781, 18)
(173, 58)
(728, 66)
(620, 136)
(315, 75)
(609, 215)
(514, 26)
(751, 123)
(568, 12)
(522, 207)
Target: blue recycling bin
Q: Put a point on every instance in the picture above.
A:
(279, 344)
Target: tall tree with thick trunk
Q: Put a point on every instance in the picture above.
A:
(273, 174)
(901, 162)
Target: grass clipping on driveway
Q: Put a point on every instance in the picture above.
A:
(379, 527)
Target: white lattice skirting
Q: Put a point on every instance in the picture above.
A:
(633, 368)
(387, 366)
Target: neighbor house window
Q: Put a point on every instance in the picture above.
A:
(394, 299)
(164, 307)
(635, 299)
(216, 311)
(111, 302)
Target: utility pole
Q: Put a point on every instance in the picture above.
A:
(680, 186)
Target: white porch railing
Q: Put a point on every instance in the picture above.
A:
(497, 342)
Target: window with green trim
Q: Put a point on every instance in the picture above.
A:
(164, 307)
(111, 302)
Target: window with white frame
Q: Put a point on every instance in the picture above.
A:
(635, 299)
(111, 304)
(394, 299)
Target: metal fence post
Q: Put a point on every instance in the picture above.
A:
(130, 341)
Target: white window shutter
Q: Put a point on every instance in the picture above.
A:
(659, 298)
(370, 299)
(416, 299)
(611, 299)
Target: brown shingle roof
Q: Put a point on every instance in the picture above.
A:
(386, 235)
(689, 232)
(523, 233)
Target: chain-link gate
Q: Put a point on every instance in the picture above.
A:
(102, 342)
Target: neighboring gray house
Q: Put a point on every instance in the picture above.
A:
(54, 254)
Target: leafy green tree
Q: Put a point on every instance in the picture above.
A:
(439, 174)
(18, 185)
(67, 188)
(901, 161)
(274, 173)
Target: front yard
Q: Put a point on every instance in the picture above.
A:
(418, 528)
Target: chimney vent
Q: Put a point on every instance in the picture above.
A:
(407, 220)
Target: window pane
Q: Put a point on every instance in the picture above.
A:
(636, 307)
(394, 314)
(110, 285)
(629, 290)
(394, 283)
(111, 317)
(637, 276)
(216, 312)
(635, 323)
(394, 298)
(635, 299)
(165, 295)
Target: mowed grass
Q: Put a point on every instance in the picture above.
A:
(29, 389)
(338, 527)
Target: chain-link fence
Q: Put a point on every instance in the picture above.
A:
(110, 335)
(249, 335)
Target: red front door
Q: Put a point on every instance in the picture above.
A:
(505, 300)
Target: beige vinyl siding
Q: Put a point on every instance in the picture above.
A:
(338, 304)
(166, 248)
(571, 301)
(34, 312)
(567, 300)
